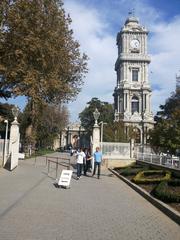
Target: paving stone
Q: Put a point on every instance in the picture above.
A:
(32, 208)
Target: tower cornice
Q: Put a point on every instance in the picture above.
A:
(124, 57)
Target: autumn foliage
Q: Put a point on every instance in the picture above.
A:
(39, 57)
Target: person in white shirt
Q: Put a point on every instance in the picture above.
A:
(80, 159)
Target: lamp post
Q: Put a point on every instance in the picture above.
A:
(142, 116)
(96, 115)
(132, 141)
(79, 137)
(96, 134)
(102, 126)
(5, 144)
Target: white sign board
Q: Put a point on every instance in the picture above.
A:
(65, 178)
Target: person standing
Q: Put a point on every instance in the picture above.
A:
(97, 161)
(80, 159)
(88, 160)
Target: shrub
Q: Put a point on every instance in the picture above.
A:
(130, 171)
(162, 192)
(142, 176)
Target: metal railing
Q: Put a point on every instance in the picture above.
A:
(168, 161)
(58, 161)
(2, 146)
(53, 163)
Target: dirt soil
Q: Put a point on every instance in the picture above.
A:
(147, 187)
(174, 189)
(153, 176)
(176, 206)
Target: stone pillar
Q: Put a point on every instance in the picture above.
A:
(96, 137)
(118, 103)
(14, 144)
(132, 148)
(95, 140)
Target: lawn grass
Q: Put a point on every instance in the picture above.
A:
(40, 152)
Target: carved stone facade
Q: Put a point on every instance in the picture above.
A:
(132, 94)
(74, 136)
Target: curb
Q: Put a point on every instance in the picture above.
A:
(170, 212)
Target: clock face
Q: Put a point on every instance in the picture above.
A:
(135, 43)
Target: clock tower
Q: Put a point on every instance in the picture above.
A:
(132, 94)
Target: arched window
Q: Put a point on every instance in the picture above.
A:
(137, 135)
(134, 104)
(135, 75)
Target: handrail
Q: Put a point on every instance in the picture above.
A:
(57, 163)
(167, 161)
(62, 158)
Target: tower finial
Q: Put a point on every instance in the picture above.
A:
(132, 12)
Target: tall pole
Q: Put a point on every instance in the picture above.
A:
(142, 116)
(5, 144)
(102, 128)
(101, 134)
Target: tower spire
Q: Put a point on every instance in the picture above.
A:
(131, 13)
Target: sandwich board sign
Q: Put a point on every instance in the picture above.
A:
(65, 178)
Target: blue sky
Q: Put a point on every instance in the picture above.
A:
(96, 24)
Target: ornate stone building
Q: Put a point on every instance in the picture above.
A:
(132, 94)
(74, 136)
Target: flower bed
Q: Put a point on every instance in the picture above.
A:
(151, 176)
(131, 170)
(168, 191)
(162, 184)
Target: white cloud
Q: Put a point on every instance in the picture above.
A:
(100, 47)
(96, 30)
(165, 59)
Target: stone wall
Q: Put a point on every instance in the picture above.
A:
(113, 163)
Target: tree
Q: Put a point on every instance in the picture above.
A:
(39, 57)
(113, 131)
(51, 120)
(87, 118)
(166, 134)
(6, 111)
(5, 114)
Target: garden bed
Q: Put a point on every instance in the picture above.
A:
(151, 176)
(161, 184)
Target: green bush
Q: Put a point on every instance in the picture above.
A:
(162, 192)
(142, 176)
(131, 170)
(40, 152)
(176, 175)
(174, 182)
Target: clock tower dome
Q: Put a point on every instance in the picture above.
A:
(132, 94)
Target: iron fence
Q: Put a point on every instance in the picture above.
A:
(2, 148)
(116, 150)
(168, 161)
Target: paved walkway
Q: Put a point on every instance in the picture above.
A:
(32, 208)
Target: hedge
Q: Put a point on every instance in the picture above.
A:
(132, 170)
(162, 192)
(142, 176)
